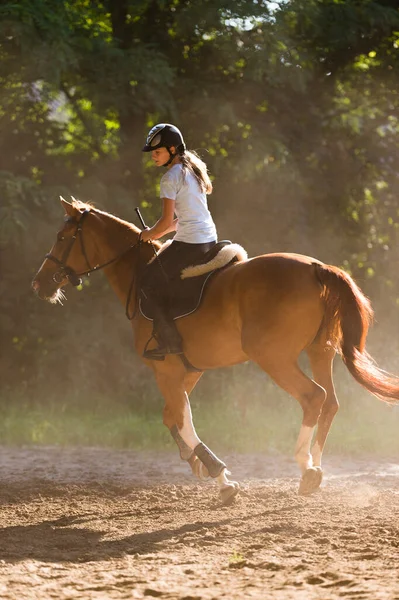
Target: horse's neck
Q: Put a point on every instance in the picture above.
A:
(112, 241)
(114, 236)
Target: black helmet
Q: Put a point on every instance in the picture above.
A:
(164, 135)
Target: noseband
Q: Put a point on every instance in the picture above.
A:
(67, 272)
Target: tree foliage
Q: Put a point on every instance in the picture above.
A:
(293, 105)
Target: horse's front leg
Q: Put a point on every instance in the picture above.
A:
(178, 418)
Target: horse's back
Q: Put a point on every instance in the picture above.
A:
(287, 257)
(273, 272)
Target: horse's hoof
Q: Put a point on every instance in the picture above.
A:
(228, 493)
(311, 480)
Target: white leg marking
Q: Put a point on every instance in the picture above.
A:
(225, 483)
(188, 432)
(192, 440)
(316, 453)
(302, 450)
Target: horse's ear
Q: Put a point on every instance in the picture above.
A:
(67, 207)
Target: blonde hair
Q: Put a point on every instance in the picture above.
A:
(191, 162)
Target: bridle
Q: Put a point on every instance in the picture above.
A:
(66, 272)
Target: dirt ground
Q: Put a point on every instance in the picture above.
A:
(96, 523)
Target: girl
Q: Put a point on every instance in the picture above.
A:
(183, 192)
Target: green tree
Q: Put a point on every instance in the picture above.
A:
(293, 105)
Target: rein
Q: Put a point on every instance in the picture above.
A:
(75, 279)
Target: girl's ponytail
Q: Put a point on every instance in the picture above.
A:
(192, 162)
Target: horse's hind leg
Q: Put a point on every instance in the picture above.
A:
(321, 361)
(311, 397)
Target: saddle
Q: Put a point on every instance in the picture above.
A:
(184, 293)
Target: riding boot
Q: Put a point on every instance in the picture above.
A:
(165, 332)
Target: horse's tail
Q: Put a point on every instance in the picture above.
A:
(347, 318)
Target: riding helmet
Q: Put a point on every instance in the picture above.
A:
(164, 135)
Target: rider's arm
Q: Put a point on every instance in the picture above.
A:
(171, 228)
(164, 225)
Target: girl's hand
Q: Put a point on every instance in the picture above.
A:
(146, 234)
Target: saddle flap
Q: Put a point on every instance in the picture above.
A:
(182, 297)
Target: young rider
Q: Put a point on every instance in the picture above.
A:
(183, 191)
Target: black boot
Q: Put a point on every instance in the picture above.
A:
(168, 338)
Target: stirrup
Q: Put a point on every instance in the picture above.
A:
(161, 351)
(154, 353)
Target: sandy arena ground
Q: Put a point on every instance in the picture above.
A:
(96, 523)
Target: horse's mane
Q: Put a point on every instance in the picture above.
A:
(80, 206)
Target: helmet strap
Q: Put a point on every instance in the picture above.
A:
(171, 157)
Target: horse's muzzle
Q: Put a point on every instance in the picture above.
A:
(46, 290)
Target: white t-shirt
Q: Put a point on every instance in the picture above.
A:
(194, 222)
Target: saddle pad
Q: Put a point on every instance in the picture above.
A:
(184, 296)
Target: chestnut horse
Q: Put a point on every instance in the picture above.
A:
(267, 309)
